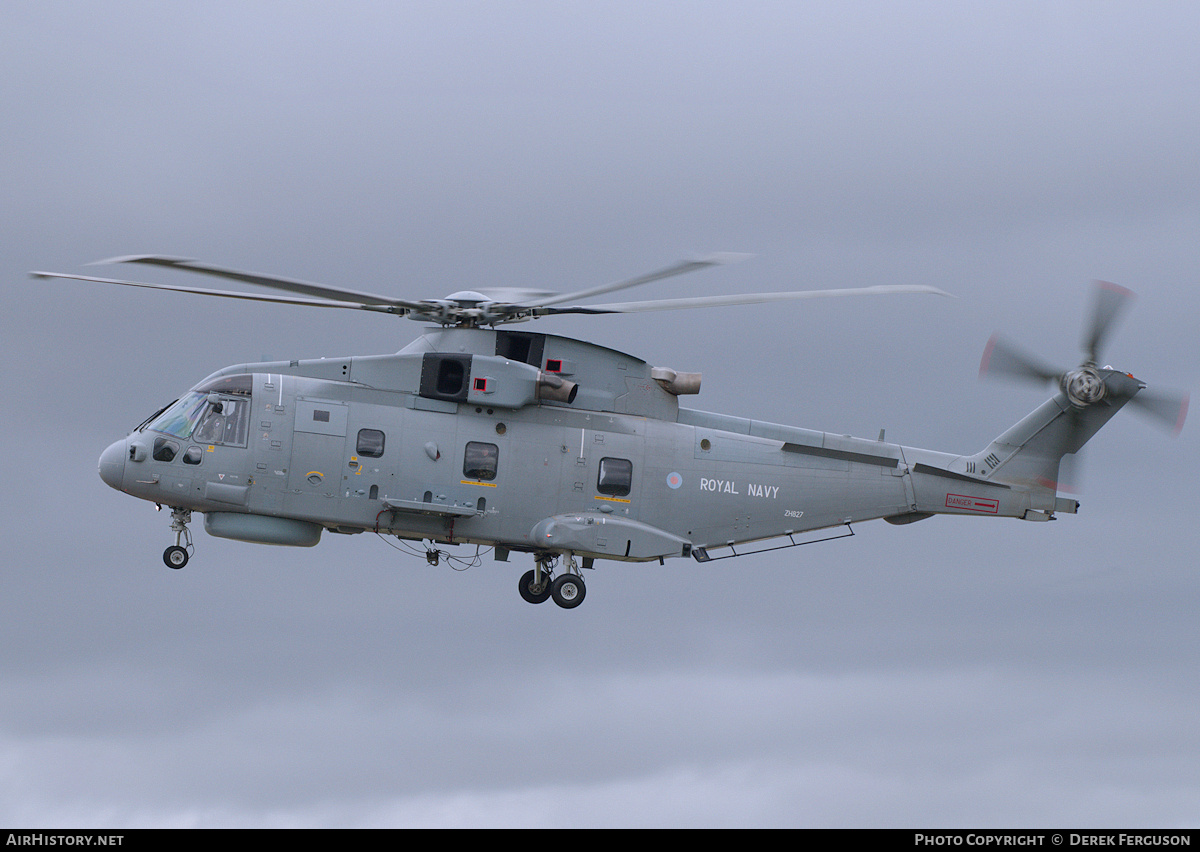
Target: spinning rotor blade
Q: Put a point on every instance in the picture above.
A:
(1109, 301)
(274, 282)
(743, 299)
(481, 307)
(228, 294)
(1083, 388)
(677, 269)
(516, 295)
(1070, 466)
(1070, 474)
(1003, 360)
(1168, 409)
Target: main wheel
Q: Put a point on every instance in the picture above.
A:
(568, 591)
(533, 592)
(175, 557)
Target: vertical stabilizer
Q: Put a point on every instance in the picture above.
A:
(1030, 454)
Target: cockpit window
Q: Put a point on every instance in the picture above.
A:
(224, 421)
(181, 418)
(164, 450)
(207, 417)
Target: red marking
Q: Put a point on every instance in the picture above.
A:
(987, 355)
(1059, 485)
(1183, 409)
(481, 384)
(1116, 288)
(553, 365)
(972, 504)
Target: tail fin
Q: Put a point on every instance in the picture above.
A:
(1029, 454)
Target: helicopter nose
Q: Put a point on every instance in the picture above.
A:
(112, 464)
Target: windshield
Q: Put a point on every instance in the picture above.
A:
(215, 413)
(181, 418)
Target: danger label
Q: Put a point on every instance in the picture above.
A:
(972, 504)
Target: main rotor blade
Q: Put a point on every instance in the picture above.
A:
(743, 299)
(677, 269)
(274, 282)
(228, 294)
(1169, 409)
(1003, 360)
(516, 295)
(1110, 299)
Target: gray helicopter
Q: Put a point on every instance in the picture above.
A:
(527, 442)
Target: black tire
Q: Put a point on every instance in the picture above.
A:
(531, 592)
(568, 591)
(175, 557)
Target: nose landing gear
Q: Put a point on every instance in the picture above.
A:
(176, 556)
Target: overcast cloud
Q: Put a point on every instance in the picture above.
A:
(955, 672)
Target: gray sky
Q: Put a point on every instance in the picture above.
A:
(954, 672)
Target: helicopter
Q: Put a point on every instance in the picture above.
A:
(571, 452)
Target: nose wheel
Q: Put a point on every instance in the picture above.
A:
(176, 556)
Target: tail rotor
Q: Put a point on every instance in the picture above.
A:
(1088, 385)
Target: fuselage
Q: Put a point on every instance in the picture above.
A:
(452, 440)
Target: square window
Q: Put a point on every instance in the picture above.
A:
(370, 443)
(480, 461)
(615, 477)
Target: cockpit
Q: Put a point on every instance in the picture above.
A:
(214, 412)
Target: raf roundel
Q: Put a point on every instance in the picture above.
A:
(674, 480)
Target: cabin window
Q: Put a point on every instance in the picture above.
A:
(480, 461)
(194, 455)
(615, 477)
(370, 443)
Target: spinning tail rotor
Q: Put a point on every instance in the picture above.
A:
(1085, 385)
(1086, 388)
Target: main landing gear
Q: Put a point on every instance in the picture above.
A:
(176, 556)
(567, 589)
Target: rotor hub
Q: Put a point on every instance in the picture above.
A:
(1084, 387)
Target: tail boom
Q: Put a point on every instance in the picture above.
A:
(1018, 473)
